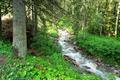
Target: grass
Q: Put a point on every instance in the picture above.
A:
(41, 68)
(102, 47)
(49, 66)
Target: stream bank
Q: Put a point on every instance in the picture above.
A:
(78, 59)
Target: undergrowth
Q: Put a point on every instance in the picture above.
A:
(49, 66)
(5, 47)
(102, 47)
(43, 44)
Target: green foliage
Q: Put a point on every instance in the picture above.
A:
(65, 23)
(43, 44)
(52, 31)
(95, 22)
(50, 67)
(41, 68)
(5, 47)
(103, 47)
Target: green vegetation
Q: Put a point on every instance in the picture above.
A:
(28, 37)
(105, 48)
(44, 45)
(52, 31)
(65, 23)
(5, 47)
(42, 68)
(49, 66)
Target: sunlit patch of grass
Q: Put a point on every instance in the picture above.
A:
(39, 68)
(52, 32)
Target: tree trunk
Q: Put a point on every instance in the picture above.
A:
(64, 5)
(19, 29)
(72, 9)
(117, 18)
(34, 17)
(0, 22)
(100, 30)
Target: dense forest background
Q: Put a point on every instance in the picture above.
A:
(29, 36)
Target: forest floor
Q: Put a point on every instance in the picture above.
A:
(48, 66)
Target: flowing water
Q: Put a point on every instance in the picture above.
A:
(81, 61)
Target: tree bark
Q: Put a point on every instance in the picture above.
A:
(19, 28)
(0, 22)
(34, 17)
(117, 18)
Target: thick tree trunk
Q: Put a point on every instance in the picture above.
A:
(19, 28)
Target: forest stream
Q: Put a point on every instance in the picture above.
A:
(79, 59)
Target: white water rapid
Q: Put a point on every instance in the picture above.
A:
(83, 63)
